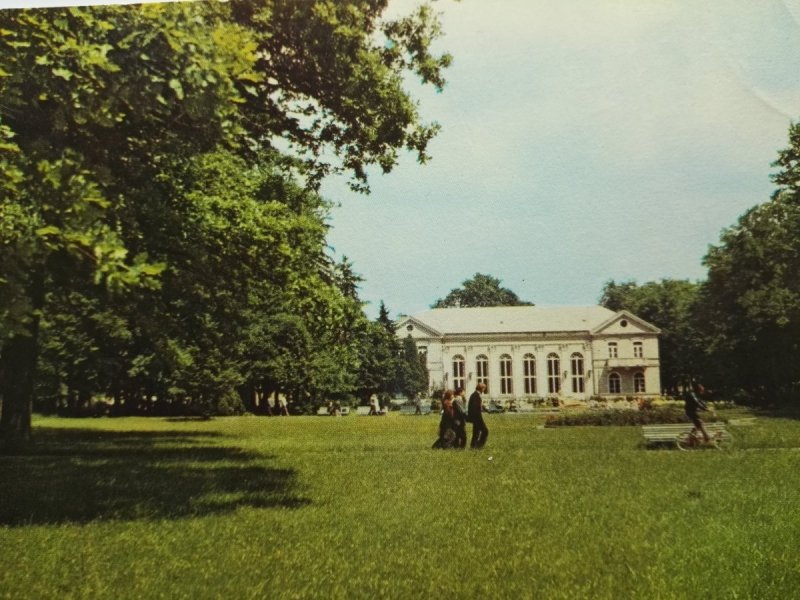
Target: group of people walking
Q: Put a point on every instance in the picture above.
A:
(453, 424)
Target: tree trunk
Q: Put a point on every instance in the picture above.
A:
(18, 359)
(19, 365)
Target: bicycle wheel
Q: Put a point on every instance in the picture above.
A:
(723, 441)
(686, 440)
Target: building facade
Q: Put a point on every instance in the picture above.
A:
(533, 352)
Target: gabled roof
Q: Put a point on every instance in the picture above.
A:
(641, 324)
(512, 319)
(420, 325)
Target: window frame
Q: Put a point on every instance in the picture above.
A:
(639, 383)
(529, 374)
(577, 369)
(553, 373)
(482, 370)
(616, 378)
(458, 368)
(506, 374)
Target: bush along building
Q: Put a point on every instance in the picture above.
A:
(531, 353)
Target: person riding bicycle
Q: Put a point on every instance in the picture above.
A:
(693, 404)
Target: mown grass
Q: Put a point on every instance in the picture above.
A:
(360, 507)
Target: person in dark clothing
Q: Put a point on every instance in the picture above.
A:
(460, 415)
(447, 424)
(693, 404)
(475, 415)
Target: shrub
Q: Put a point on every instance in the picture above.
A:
(656, 415)
(230, 404)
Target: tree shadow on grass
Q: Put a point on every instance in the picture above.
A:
(85, 475)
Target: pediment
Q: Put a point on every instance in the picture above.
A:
(625, 323)
(417, 328)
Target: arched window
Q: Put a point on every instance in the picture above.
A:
(614, 383)
(612, 350)
(458, 372)
(506, 382)
(638, 383)
(577, 372)
(553, 373)
(529, 373)
(482, 370)
(638, 350)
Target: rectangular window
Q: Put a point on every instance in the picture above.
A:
(638, 383)
(577, 374)
(612, 350)
(529, 372)
(638, 350)
(482, 370)
(506, 385)
(553, 374)
(614, 383)
(458, 372)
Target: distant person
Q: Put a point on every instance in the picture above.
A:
(417, 405)
(480, 432)
(693, 404)
(460, 418)
(283, 407)
(447, 433)
(374, 406)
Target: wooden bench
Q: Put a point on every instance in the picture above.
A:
(363, 411)
(668, 433)
(410, 409)
(322, 411)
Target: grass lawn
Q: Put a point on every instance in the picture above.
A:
(360, 507)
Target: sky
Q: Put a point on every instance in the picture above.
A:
(582, 141)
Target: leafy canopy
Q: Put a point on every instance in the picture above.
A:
(158, 163)
(480, 290)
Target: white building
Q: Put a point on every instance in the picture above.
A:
(530, 352)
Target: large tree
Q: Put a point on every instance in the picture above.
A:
(379, 356)
(751, 302)
(480, 290)
(412, 374)
(750, 305)
(104, 111)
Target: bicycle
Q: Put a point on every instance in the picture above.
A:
(719, 438)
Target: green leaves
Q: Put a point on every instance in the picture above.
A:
(481, 290)
(176, 87)
(139, 183)
(65, 74)
(49, 230)
(337, 89)
(752, 297)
